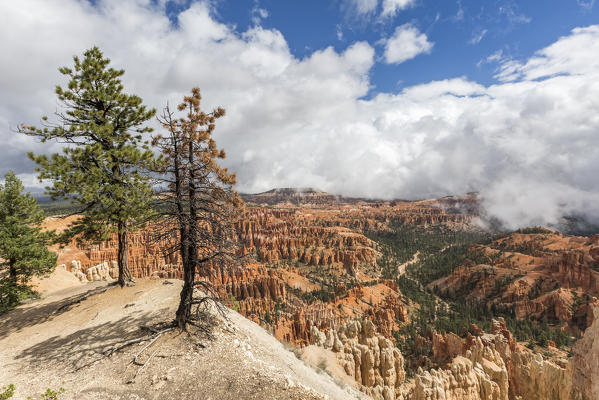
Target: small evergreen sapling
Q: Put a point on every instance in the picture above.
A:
(23, 245)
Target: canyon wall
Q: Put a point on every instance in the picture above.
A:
(490, 366)
(370, 359)
(584, 365)
(542, 276)
(313, 279)
(495, 366)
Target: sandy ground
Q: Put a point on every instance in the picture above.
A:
(58, 280)
(297, 281)
(327, 360)
(41, 348)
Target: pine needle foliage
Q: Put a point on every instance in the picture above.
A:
(104, 162)
(198, 201)
(23, 245)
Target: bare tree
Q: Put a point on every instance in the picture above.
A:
(197, 199)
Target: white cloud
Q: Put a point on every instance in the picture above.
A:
(477, 37)
(406, 43)
(363, 7)
(586, 4)
(530, 145)
(496, 56)
(510, 11)
(556, 59)
(391, 7)
(369, 8)
(459, 16)
(258, 14)
(339, 32)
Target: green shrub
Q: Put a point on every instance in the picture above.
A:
(7, 392)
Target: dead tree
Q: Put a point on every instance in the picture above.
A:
(197, 200)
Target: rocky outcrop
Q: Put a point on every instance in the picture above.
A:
(494, 366)
(291, 196)
(147, 256)
(371, 215)
(369, 358)
(98, 272)
(543, 276)
(252, 281)
(584, 365)
(380, 216)
(388, 314)
(75, 270)
(448, 346)
(531, 376)
(479, 375)
(489, 366)
(573, 269)
(275, 235)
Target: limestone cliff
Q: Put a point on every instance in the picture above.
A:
(369, 358)
(492, 366)
(495, 366)
(584, 365)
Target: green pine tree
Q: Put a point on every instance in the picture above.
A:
(102, 167)
(23, 245)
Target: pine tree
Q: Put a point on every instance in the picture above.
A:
(103, 164)
(199, 202)
(23, 245)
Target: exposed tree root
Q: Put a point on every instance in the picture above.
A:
(156, 333)
(144, 364)
(135, 361)
(78, 299)
(108, 352)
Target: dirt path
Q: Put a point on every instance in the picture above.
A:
(401, 269)
(42, 349)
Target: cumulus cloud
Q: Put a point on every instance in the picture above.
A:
(366, 8)
(556, 58)
(529, 144)
(406, 43)
(391, 7)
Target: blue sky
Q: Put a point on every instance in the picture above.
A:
(387, 99)
(464, 32)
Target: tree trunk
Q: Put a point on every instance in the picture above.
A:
(184, 310)
(192, 251)
(125, 278)
(189, 250)
(12, 271)
(13, 278)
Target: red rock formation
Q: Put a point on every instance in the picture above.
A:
(387, 315)
(276, 235)
(316, 248)
(447, 347)
(546, 276)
